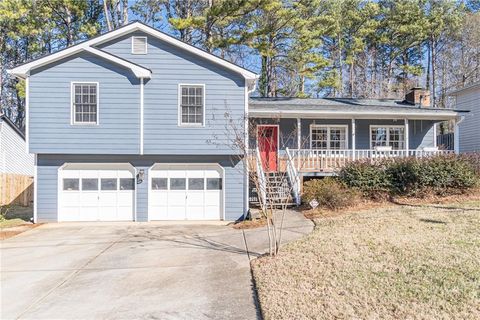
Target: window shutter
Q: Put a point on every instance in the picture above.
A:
(139, 45)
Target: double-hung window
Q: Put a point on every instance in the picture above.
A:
(85, 103)
(328, 137)
(384, 136)
(192, 105)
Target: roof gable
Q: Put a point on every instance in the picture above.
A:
(89, 45)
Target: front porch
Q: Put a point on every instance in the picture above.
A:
(327, 162)
(323, 146)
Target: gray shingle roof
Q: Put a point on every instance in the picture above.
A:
(341, 104)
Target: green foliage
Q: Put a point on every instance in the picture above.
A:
(412, 176)
(369, 178)
(330, 193)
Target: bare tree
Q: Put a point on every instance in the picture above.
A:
(277, 188)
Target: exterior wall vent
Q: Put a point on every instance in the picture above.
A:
(139, 45)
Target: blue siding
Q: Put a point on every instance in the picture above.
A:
(142, 196)
(47, 181)
(50, 128)
(224, 92)
(421, 134)
(47, 193)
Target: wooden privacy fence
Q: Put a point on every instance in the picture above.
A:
(16, 189)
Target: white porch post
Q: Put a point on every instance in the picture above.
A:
(456, 137)
(407, 137)
(434, 135)
(299, 133)
(353, 139)
(299, 142)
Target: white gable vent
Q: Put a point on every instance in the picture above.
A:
(139, 45)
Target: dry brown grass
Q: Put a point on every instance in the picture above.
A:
(401, 262)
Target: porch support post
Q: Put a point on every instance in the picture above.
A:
(299, 142)
(353, 139)
(299, 133)
(456, 138)
(407, 137)
(434, 134)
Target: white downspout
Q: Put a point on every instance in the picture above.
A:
(141, 115)
(456, 134)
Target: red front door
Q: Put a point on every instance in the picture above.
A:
(268, 146)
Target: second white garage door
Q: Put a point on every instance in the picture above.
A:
(178, 192)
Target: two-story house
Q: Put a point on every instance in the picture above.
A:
(128, 125)
(135, 125)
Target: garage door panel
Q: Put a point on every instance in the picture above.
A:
(183, 193)
(101, 196)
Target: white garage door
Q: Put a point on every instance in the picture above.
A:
(181, 193)
(96, 194)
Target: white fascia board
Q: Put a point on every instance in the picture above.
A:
(139, 71)
(23, 70)
(350, 115)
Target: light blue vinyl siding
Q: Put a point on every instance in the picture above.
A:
(50, 128)
(171, 66)
(47, 179)
(142, 195)
(46, 184)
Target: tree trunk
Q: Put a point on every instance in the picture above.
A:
(125, 12)
(429, 61)
(107, 15)
(434, 61)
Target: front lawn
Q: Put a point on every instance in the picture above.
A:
(403, 262)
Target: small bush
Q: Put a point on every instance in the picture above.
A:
(369, 178)
(330, 193)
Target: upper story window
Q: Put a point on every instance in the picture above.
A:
(85, 103)
(192, 105)
(328, 137)
(139, 45)
(384, 136)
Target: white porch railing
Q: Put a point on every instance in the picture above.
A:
(329, 160)
(294, 177)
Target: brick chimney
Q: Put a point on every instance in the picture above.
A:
(419, 97)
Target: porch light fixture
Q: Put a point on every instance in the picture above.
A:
(140, 176)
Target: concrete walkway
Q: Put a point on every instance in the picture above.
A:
(134, 270)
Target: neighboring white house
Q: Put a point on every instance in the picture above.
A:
(13, 155)
(468, 98)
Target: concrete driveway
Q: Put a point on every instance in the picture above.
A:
(133, 271)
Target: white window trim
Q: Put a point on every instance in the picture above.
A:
(146, 44)
(388, 134)
(72, 108)
(179, 108)
(328, 126)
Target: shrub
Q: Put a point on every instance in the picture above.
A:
(444, 174)
(403, 175)
(330, 193)
(474, 159)
(408, 176)
(369, 178)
